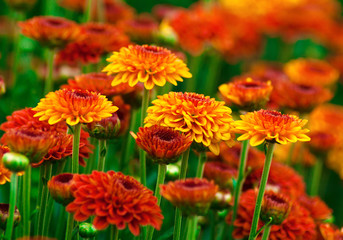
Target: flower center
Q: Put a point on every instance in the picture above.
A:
(153, 50)
(127, 185)
(166, 135)
(96, 29)
(253, 85)
(55, 22)
(64, 178)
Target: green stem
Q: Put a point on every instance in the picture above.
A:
(16, 44)
(263, 183)
(201, 164)
(114, 233)
(27, 201)
(184, 164)
(239, 185)
(290, 154)
(70, 226)
(194, 66)
(142, 154)
(129, 143)
(214, 70)
(266, 232)
(42, 175)
(102, 155)
(192, 225)
(61, 227)
(88, 12)
(316, 176)
(13, 196)
(76, 145)
(93, 156)
(49, 83)
(162, 168)
(44, 200)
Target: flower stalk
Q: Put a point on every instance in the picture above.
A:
(13, 196)
(316, 176)
(27, 201)
(102, 155)
(201, 163)
(49, 79)
(142, 153)
(76, 145)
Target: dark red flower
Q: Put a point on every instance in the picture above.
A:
(221, 173)
(59, 188)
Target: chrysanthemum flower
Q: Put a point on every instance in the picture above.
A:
(164, 145)
(5, 174)
(231, 156)
(73, 106)
(248, 94)
(281, 178)
(318, 209)
(64, 145)
(322, 142)
(311, 72)
(221, 173)
(32, 143)
(330, 232)
(192, 195)
(54, 32)
(150, 65)
(108, 36)
(4, 209)
(297, 226)
(116, 11)
(60, 188)
(114, 199)
(99, 83)
(275, 206)
(207, 121)
(107, 128)
(272, 126)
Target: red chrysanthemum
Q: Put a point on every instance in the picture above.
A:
(297, 226)
(318, 209)
(114, 199)
(117, 11)
(64, 145)
(275, 206)
(221, 173)
(51, 31)
(192, 195)
(60, 188)
(330, 232)
(163, 144)
(281, 178)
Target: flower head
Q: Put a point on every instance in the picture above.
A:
(275, 206)
(318, 209)
(51, 31)
(4, 208)
(206, 120)
(323, 141)
(192, 195)
(221, 173)
(107, 128)
(248, 94)
(311, 72)
(99, 83)
(272, 126)
(330, 232)
(164, 145)
(60, 188)
(5, 174)
(150, 65)
(32, 143)
(115, 199)
(73, 106)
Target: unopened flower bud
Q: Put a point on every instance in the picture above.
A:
(4, 215)
(274, 206)
(222, 200)
(105, 129)
(87, 230)
(173, 171)
(59, 187)
(15, 162)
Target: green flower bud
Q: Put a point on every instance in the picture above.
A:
(15, 162)
(173, 171)
(87, 230)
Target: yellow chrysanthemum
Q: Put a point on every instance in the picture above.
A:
(147, 64)
(207, 121)
(272, 126)
(74, 106)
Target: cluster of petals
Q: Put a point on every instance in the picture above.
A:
(64, 145)
(51, 31)
(206, 120)
(74, 106)
(114, 199)
(272, 126)
(330, 232)
(150, 65)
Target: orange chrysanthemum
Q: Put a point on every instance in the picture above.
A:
(311, 72)
(74, 106)
(281, 178)
(164, 145)
(208, 121)
(115, 199)
(51, 31)
(64, 145)
(33, 143)
(108, 36)
(231, 156)
(192, 195)
(5, 174)
(221, 173)
(150, 65)
(297, 226)
(248, 94)
(99, 83)
(318, 209)
(272, 126)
